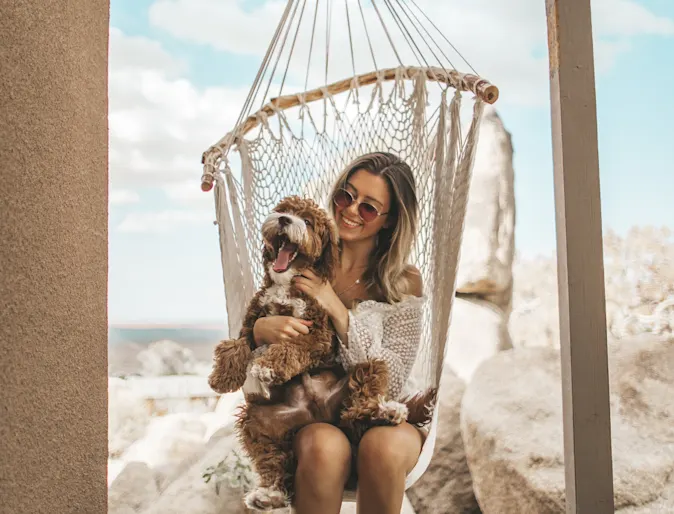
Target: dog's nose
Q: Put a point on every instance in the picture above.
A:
(284, 220)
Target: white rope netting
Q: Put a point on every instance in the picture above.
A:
(305, 155)
(299, 143)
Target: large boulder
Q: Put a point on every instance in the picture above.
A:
(133, 490)
(128, 416)
(446, 487)
(488, 246)
(478, 331)
(168, 440)
(189, 493)
(479, 328)
(511, 422)
(140, 488)
(168, 358)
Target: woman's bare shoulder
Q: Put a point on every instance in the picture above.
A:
(414, 281)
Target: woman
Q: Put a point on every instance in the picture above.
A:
(375, 207)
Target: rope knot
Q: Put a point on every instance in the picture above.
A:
(263, 118)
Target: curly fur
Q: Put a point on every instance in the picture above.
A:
(290, 385)
(226, 354)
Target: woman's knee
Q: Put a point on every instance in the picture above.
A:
(389, 450)
(322, 450)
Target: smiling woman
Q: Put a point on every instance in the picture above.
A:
(376, 210)
(375, 204)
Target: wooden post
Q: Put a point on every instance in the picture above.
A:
(582, 307)
(54, 256)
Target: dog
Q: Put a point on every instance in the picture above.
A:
(297, 235)
(289, 385)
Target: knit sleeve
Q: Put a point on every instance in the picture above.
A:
(390, 332)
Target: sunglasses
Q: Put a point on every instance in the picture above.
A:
(366, 211)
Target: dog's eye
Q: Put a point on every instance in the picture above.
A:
(308, 223)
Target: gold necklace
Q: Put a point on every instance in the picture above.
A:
(350, 287)
(354, 284)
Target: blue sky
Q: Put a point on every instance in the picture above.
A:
(175, 85)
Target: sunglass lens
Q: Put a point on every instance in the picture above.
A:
(343, 198)
(367, 212)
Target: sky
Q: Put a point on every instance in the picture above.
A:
(180, 71)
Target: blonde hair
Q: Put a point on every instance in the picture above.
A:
(387, 274)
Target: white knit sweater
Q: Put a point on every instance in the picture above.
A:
(390, 332)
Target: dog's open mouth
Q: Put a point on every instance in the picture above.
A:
(285, 254)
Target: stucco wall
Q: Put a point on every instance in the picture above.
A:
(53, 256)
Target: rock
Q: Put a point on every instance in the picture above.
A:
(512, 429)
(134, 489)
(169, 474)
(168, 440)
(446, 486)
(128, 416)
(487, 249)
(478, 331)
(190, 494)
(534, 319)
(167, 357)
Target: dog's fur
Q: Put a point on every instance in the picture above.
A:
(290, 385)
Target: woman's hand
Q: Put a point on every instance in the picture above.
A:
(310, 283)
(325, 295)
(279, 329)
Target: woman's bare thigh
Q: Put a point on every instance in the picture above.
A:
(322, 444)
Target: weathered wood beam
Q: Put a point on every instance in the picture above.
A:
(582, 307)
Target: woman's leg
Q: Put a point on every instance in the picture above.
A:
(323, 467)
(386, 455)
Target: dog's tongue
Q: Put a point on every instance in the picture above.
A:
(283, 258)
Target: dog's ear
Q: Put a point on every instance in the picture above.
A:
(327, 263)
(267, 259)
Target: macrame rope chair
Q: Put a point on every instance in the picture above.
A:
(298, 143)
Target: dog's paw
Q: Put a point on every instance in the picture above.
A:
(266, 499)
(264, 375)
(393, 412)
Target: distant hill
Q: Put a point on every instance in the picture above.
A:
(183, 334)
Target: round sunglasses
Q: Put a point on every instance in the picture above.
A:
(366, 211)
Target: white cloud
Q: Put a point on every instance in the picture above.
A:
(506, 41)
(185, 193)
(481, 28)
(160, 123)
(140, 53)
(225, 25)
(628, 18)
(608, 52)
(164, 221)
(122, 197)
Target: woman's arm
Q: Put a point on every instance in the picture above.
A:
(339, 315)
(325, 295)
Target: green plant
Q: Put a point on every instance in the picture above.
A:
(234, 470)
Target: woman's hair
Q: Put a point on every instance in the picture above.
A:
(387, 272)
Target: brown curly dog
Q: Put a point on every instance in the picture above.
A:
(290, 385)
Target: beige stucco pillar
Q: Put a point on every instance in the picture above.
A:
(53, 256)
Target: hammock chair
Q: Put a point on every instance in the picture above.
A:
(298, 143)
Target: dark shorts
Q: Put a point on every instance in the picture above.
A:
(352, 482)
